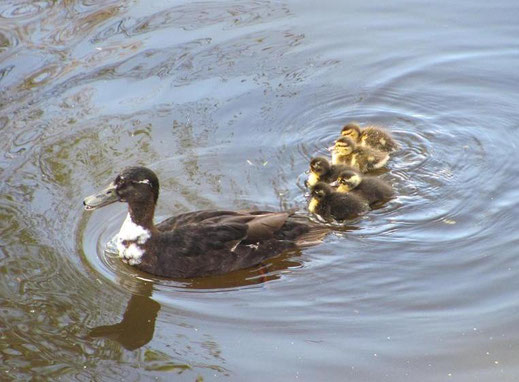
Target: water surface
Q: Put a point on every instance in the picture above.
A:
(227, 101)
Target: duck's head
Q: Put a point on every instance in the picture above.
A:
(344, 146)
(348, 180)
(134, 185)
(321, 190)
(319, 166)
(351, 130)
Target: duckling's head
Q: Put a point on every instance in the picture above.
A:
(344, 146)
(133, 185)
(321, 190)
(351, 130)
(348, 180)
(319, 166)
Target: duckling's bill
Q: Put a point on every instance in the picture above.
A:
(101, 199)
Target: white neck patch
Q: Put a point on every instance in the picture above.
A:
(130, 239)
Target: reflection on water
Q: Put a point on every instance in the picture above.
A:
(138, 323)
(227, 101)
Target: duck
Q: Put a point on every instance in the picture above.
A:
(368, 188)
(364, 159)
(371, 136)
(199, 243)
(331, 205)
(321, 170)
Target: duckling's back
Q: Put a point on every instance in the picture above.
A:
(376, 138)
(374, 190)
(340, 206)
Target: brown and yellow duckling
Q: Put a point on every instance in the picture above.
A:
(330, 204)
(364, 159)
(198, 243)
(371, 136)
(321, 170)
(368, 188)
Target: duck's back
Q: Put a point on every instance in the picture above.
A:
(373, 190)
(214, 242)
(341, 206)
(377, 138)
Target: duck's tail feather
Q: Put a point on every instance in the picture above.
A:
(304, 232)
(314, 236)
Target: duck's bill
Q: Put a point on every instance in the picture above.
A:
(101, 199)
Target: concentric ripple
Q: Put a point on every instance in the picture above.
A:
(227, 101)
(16, 10)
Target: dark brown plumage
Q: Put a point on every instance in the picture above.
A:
(369, 188)
(197, 243)
(333, 205)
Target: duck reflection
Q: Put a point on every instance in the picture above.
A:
(137, 326)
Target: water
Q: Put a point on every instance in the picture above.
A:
(227, 101)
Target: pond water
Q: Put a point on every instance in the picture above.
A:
(226, 101)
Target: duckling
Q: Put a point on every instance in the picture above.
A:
(197, 243)
(322, 171)
(330, 204)
(371, 136)
(362, 158)
(368, 188)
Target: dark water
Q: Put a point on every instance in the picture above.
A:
(227, 101)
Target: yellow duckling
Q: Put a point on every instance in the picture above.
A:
(330, 204)
(322, 171)
(371, 136)
(369, 188)
(362, 158)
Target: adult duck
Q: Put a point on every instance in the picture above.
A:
(197, 243)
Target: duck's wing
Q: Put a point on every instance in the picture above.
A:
(261, 225)
(197, 239)
(236, 241)
(265, 226)
(196, 217)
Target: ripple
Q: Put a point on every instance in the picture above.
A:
(11, 226)
(446, 156)
(189, 17)
(43, 76)
(25, 10)
(8, 41)
(79, 28)
(439, 165)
